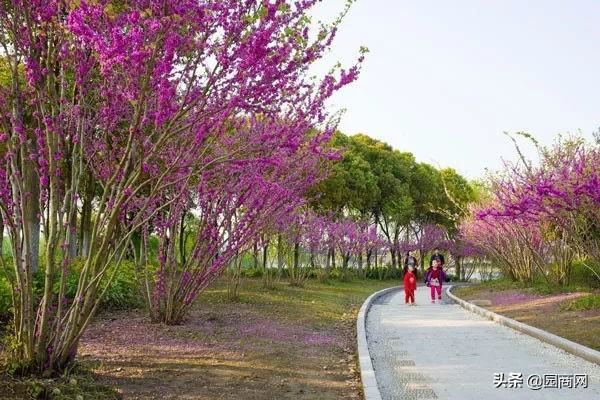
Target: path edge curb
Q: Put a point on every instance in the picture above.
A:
(576, 349)
(367, 373)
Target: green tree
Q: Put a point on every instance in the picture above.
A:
(389, 188)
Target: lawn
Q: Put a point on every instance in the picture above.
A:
(285, 343)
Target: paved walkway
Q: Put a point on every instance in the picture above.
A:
(442, 351)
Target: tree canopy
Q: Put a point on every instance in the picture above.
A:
(391, 189)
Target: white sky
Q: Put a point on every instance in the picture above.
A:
(444, 79)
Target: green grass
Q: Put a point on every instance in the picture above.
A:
(582, 280)
(546, 288)
(589, 302)
(317, 304)
(495, 285)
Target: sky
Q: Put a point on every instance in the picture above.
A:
(444, 79)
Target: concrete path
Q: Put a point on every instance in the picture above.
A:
(442, 351)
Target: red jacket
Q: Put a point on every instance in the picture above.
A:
(410, 281)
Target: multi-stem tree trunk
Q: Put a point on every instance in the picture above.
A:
(146, 125)
(24, 241)
(235, 274)
(297, 275)
(48, 325)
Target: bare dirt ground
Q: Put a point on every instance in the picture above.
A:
(288, 343)
(542, 311)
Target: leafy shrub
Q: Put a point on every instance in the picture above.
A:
(382, 272)
(124, 291)
(252, 272)
(122, 294)
(5, 298)
(582, 275)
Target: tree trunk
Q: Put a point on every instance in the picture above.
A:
(297, 275)
(296, 256)
(85, 230)
(360, 261)
(182, 238)
(267, 284)
(73, 239)
(279, 254)
(333, 258)
(265, 254)
(255, 254)
(31, 211)
(233, 289)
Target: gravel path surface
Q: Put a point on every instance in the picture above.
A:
(442, 351)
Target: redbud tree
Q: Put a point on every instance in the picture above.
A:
(542, 217)
(146, 99)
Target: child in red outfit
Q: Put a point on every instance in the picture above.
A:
(410, 285)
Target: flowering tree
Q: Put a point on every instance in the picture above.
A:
(136, 96)
(314, 235)
(236, 202)
(543, 216)
(512, 245)
(316, 238)
(467, 258)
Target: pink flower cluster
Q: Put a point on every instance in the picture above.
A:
(538, 216)
(150, 109)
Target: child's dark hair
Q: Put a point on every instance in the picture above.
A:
(414, 271)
